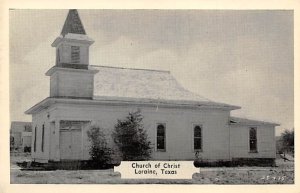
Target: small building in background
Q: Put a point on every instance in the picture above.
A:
(20, 136)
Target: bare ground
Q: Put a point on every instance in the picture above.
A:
(282, 174)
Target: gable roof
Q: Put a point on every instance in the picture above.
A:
(73, 24)
(143, 85)
(249, 122)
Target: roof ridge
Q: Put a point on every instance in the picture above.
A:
(144, 69)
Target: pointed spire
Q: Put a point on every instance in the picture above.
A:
(73, 24)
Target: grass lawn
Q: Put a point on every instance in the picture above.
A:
(283, 174)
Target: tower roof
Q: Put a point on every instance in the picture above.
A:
(73, 24)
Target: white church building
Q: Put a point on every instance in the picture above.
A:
(178, 122)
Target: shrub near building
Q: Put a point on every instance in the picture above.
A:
(131, 138)
(100, 153)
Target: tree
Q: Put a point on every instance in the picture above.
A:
(288, 140)
(131, 138)
(288, 137)
(99, 151)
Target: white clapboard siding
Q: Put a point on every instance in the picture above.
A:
(179, 128)
(239, 136)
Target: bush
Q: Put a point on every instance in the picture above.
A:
(285, 143)
(27, 149)
(131, 138)
(99, 151)
(288, 139)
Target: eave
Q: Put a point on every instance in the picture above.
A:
(39, 106)
(130, 101)
(249, 122)
(84, 39)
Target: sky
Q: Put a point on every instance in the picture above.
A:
(242, 58)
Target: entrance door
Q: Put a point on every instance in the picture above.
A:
(65, 145)
(70, 142)
(76, 146)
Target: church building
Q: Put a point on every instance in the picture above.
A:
(180, 124)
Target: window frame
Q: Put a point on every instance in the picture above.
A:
(249, 142)
(165, 137)
(34, 142)
(201, 138)
(43, 138)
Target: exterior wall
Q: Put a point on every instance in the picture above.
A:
(218, 142)
(239, 142)
(38, 120)
(54, 85)
(54, 140)
(69, 83)
(179, 128)
(26, 139)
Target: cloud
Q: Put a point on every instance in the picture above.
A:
(120, 52)
(161, 59)
(22, 100)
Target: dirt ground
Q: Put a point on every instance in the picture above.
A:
(282, 174)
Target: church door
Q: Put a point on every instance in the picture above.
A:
(71, 140)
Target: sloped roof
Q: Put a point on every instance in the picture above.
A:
(249, 122)
(143, 85)
(73, 24)
(113, 85)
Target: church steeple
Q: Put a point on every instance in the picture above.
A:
(72, 46)
(71, 76)
(73, 24)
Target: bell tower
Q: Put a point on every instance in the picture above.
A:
(71, 77)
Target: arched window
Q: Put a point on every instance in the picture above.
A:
(161, 138)
(197, 138)
(253, 140)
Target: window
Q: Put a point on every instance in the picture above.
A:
(161, 138)
(197, 137)
(43, 136)
(253, 139)
(75, 54)
(34, 142)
